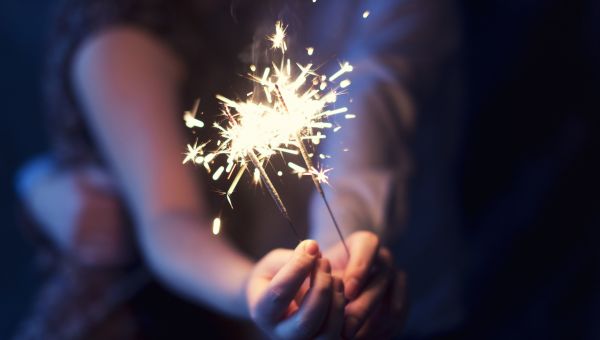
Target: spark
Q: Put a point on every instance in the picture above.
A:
(310, 50)
(218, 173)
(216, 226)
(190, 117)
(278, 38)
(344, 68)
(297, 168)
(320, 175)
(194, 152)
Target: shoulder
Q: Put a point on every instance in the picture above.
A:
(127, 53)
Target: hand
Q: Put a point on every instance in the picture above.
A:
(376, 291)
(285, 306)
(80, 211)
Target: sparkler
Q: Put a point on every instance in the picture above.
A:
(289, 107)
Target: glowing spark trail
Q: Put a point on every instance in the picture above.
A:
(190, 117)
(216, 227)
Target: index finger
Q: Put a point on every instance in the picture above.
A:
(283, 287)
(364, 246)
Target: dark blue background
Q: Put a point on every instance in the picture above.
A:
(22, 27)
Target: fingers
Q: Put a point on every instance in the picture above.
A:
(309, 318)
(364, 247)
(390, 316)
(360, 309)
(332, 328)
(282, 289)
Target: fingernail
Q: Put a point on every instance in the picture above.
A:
(351, 288)
(350, 325)
(311, 247)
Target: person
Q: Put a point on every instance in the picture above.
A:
(503, 229)
(115, 91)
(503, 232)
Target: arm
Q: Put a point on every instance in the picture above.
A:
(128, 83)
(87, 223)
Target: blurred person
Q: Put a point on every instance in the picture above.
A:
(504, 216)
(119, 75)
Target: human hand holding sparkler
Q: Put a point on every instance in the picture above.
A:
(376, 292)
(281, 305)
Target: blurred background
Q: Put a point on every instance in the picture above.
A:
(22, 27)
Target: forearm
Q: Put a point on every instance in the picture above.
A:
(129, 83)
(185, 256)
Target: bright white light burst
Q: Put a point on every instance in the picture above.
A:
(289, 107)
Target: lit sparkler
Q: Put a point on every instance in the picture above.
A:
(289, 108)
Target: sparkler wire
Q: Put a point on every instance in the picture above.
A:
(309, 165)
(273, 192)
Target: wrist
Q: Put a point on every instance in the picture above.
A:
(244, 299)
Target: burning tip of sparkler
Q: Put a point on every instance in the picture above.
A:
(366, 14)
(310, 50)
(216, 226)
